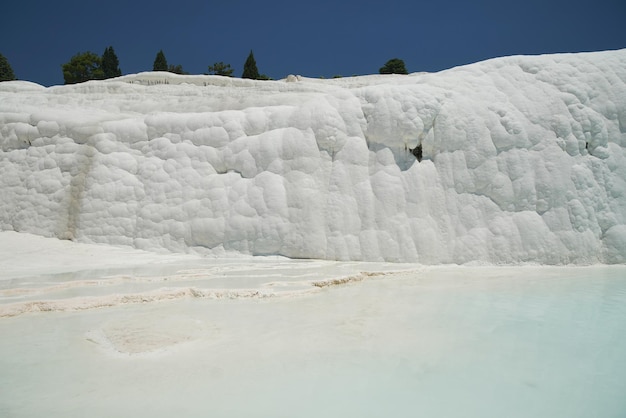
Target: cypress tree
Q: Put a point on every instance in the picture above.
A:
(249, 68)
(110, 64)
(160, 63)
(6, 72)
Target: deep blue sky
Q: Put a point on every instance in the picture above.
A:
(321, 38)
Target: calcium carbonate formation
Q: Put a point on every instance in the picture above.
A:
(523, 159)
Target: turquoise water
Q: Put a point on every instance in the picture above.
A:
(443, 342)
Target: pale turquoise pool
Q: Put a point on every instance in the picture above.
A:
(444, 342)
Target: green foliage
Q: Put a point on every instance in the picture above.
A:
(249, 68)
(393, 66)
(160, 63)
(82, 67)
(176, 69)
(110, 64)
(6, 72)
(219, 68)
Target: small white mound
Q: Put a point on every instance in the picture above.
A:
(19, 86)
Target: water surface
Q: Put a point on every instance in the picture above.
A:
(433, 342)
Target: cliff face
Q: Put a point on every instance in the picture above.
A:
(523, 160)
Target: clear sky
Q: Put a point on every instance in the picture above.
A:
(314, 39)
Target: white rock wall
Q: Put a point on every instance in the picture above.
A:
(524, 161)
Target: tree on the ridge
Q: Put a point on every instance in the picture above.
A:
(393, 66)
(176, 69)
(6, 72)
(82, 67)
(160, 63)
(219, 68)
(249, 68)
(110, 64)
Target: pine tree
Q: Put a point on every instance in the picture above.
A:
(6, 72)
(249, 68)
(110, 64)
(160, 63)
(82, 67)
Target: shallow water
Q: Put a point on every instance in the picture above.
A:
(436, 342)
